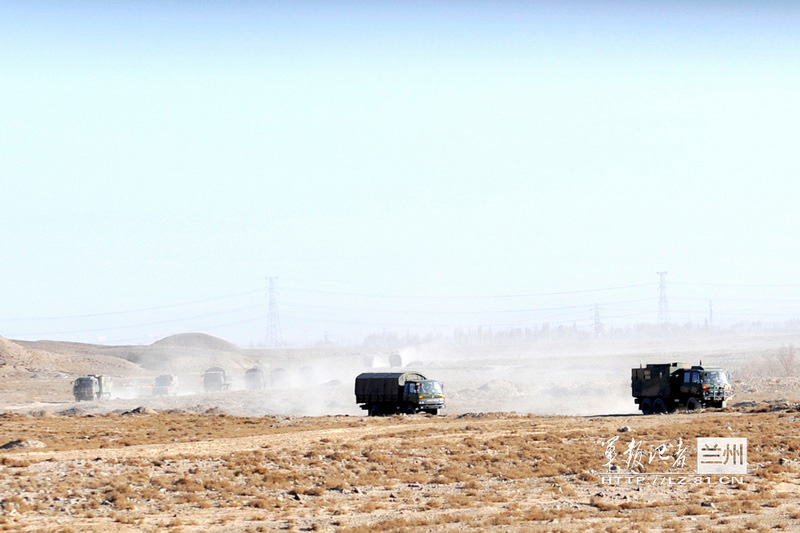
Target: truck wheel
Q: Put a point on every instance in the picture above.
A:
(659, 407)
(374, 411)
(433, 411)
(692, 404)
(410, 410)
(646, 405)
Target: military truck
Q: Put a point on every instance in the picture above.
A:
(215, 380)
(395, 359)
(254, 379)
(388, 393)
(165, 385)
(91, 387)
(664, 388)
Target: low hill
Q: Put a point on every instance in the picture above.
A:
(197, 340)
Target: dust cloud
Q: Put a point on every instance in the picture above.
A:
(587, 377)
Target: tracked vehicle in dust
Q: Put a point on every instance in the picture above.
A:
(664, 388)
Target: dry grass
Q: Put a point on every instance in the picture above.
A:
(497, 472)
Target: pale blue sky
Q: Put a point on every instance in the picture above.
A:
(162, 153)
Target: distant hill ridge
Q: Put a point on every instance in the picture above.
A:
(53, 357)
(11, 352)
(197, 340)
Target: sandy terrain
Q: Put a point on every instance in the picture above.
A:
(301, 456)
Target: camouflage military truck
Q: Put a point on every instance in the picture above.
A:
(388, 393)
(664, 388)
(165, 385)
(91, 387)
(215, 379)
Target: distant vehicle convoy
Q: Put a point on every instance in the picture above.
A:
(664, 388)
(656, 388)
(388, 393)
(165, 385)
(91, 387)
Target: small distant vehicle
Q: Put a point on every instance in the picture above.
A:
(388, 393)
(254, 379)
(92, 387)
(664, 388)
(165, 385)
(215, 379)
(279, 377)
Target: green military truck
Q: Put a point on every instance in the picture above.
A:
(388, 393)
(91, 387)
(667, 387)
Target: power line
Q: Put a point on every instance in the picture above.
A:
(457, 311)
(663, 308)
(161, 322)
(486, 297)
(775, 285)
(273, 321)
(254, 291)
(112, 313)
(768, 300)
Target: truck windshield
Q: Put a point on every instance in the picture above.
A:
(431, 387)
(715, 378)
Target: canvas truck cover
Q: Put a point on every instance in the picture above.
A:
(383, 386)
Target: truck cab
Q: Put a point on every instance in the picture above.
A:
(707, 385)
(425, 395)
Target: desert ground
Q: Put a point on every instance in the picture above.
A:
(525, 443)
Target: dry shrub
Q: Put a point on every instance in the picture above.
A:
(368, 506)
(787, 360)
(187, 484)
(500, 519)
(263, 503)
(692, 510)
(535, 514)
(459, 501)
(601, 504)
